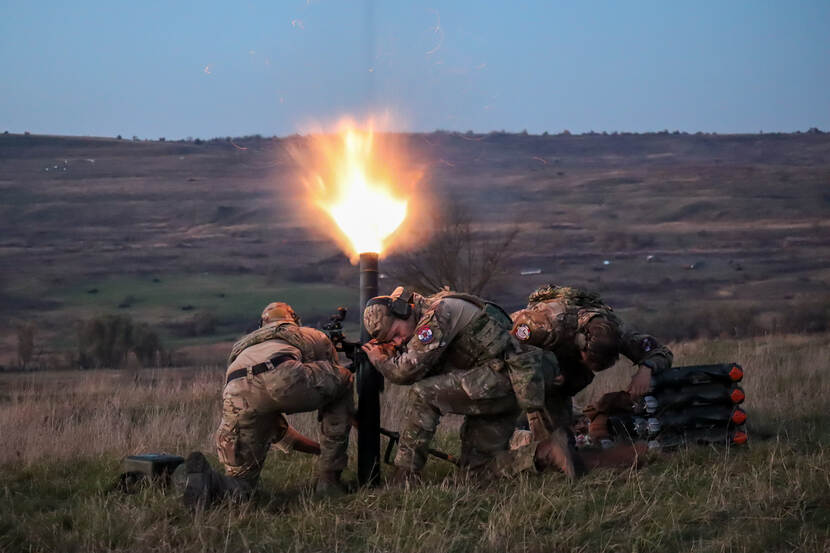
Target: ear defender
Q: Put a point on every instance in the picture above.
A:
(399, 307)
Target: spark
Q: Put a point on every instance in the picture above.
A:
(206, 70)
(537, 158)
(438, 31)
(297, 24)
(238, 147)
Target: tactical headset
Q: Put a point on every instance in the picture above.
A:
(400, 307)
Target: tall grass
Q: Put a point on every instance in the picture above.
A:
(64, 434)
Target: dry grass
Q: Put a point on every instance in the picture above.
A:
(64, 434)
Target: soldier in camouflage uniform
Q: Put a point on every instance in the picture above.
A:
(279, 369)
(587, 337)
(456, 352)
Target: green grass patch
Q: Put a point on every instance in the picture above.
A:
(166, 300)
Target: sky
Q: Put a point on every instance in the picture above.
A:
(206, 69)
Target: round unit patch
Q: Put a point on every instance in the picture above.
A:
(522, 332)
(425, 334)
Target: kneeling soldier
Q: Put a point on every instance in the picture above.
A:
(281, 368)
(587, 337)
(457, 353)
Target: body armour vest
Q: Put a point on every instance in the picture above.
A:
(313, 344)
(486, 337)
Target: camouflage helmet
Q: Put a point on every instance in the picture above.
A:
(379, 314)
(377, 319)
(279, 311)
(570, 294)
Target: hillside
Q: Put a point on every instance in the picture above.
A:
(689, 234)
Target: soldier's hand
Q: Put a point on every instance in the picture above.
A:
(640, 382)
(375, 352)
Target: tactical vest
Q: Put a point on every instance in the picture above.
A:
(487, 337)
(313, 344)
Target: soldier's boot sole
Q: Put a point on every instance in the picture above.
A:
(557, 452)
(199, 486)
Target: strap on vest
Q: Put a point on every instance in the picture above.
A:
(272, 363)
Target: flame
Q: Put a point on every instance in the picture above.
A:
(360, 184)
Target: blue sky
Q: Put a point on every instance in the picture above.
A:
(206, 69)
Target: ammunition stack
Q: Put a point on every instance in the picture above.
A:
(696, 404)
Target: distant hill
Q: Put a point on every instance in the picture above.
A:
(688, 234)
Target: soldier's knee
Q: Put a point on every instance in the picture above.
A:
(421, 394)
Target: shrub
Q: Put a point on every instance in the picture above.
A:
(105, 341)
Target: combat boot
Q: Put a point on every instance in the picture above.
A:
(558, 452)
(622, 456)
(329, 485)
(201, 486)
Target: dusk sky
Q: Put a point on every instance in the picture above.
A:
(206, 69)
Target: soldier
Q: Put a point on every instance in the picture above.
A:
(587, 337)
(279, 369)
(457, 353)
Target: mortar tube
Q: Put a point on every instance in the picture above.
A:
(369, 385)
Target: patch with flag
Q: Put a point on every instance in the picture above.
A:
(425, 334)
(522, 332)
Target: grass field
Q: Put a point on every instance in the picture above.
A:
(64, 434)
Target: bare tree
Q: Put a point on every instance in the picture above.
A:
(457, 255)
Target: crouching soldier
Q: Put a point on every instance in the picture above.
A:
(456, 352)
(279, 369)
(587, 337)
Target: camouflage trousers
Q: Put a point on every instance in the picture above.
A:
(253, 408)
(487, 400)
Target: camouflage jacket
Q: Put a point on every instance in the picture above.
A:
(561, 321)
(456, 332)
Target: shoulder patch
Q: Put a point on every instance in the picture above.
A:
(649, 344)
(425, 335)
(522, 332)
